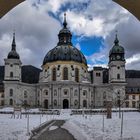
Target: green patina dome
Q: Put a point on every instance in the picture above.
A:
(117, 52)
(116, 49)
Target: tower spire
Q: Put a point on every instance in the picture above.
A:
(116, 41)
(14, 42)
(65, 22)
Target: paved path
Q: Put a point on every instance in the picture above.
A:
(57, 134)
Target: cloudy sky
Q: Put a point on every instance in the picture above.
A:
(93, 24)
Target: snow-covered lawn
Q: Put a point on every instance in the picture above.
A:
(82, 127)
(92, 127)
(16, 129)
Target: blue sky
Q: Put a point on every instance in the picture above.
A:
(93, 24)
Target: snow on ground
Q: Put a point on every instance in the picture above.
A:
(91, 127)
(16, 129)
(83, 127)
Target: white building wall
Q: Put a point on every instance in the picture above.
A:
(12, 65)
(117, 67)
(46, 75)
(18, 93)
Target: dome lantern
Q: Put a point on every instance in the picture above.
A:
(64, 35)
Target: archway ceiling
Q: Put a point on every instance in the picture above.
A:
(7, 5)
(132, 6)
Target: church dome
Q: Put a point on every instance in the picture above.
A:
(64, 51)
(116, 49)
(13, 54)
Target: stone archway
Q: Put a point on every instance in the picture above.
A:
(65, 104)
(46, 104)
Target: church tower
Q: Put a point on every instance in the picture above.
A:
(116, 63)
(13, 64)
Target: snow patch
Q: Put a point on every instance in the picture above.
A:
(53, 128)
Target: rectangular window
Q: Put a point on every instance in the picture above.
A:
(118, 76)
(11, 74)
(133, 96)
(133, 104)
(127, 104)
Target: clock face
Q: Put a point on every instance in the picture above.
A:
(118, 57)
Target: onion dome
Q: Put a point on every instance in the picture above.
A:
(13, 54)
(64, 51)
(117, 52)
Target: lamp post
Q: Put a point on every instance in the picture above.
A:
(119, 103)
(122, 125)
(28, 130)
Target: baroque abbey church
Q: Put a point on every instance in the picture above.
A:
(64, 81)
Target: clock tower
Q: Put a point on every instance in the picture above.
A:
(116, 63)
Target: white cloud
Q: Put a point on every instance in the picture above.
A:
(78, 46)
(133, 62)
(134, 58)
(35, 33)
(36, 30)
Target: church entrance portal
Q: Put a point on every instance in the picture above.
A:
(46, 104)
(65, 104)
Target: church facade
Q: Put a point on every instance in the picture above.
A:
(64, 81)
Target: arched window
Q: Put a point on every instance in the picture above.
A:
(85, 93)
(84, 103)
(76, 93)
(11, 92)
(65, 73)
(54, 74)
(46, 103)
(55, 102)
(46, 92)
(118, 76)
(76, 74)
(65, 92)
(55, 93)
(11, 74)
(11, 102)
